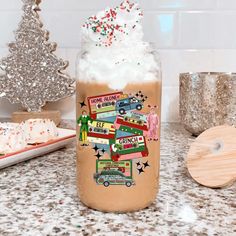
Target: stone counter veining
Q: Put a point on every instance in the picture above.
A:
(39, 197)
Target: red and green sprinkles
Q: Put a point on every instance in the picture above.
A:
(106, 25)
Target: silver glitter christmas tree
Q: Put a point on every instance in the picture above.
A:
(33, 73)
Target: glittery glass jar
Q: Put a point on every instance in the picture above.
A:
(207, 100)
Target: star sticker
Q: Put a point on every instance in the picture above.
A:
(103, 150)
(140, 171)
(146, 164)
(138, 163)
(95, 148)
(98, 155)
(82, 104)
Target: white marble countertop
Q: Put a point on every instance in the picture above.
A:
(38, 197)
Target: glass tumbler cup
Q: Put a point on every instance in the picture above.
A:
(118, 138)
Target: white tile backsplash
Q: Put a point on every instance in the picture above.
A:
(8, 23)
(3, 52)
(145, 4)
(207, 29)
(196, 29)
(226, 4)
(191, 35)
(77, 5)
(72, 55)
(224, 60)
(10, 5)
(183, 4)
(224, 30)
(161, 28)
(64, 26)
(178, 61)
(170, 99)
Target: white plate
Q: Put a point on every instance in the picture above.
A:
(65, 137)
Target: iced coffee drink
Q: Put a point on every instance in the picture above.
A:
(118, 113)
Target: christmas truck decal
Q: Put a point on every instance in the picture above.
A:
(128, 148)
(128, 104)
(114, 173)
(113, 177)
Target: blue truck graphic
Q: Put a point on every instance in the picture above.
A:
(128, 104)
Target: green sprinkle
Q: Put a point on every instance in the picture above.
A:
(94, 29)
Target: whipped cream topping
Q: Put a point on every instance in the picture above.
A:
(114, 50)
(119, 25)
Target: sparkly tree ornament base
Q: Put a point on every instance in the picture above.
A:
(33, 72)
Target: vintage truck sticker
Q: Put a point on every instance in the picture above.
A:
(129, 103)
(113, 173)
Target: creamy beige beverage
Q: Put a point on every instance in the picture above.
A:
(145, 170)
(118, 113)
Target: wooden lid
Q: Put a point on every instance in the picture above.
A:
(211, 159)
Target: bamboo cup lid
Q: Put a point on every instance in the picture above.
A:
(211, 160)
